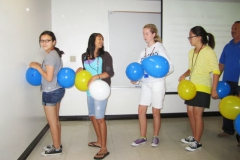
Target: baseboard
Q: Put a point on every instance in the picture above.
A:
(29, 149)
(134, 116)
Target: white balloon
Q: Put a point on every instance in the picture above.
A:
(99, 90)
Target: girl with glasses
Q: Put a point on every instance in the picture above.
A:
(52, 92)
(203, 64)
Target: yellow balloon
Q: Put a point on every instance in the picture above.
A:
(81, 80)
(186, 90)
(229, 107)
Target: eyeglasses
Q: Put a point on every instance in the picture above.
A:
(191, 37)
(45, 41)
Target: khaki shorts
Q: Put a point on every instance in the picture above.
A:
(153, 93)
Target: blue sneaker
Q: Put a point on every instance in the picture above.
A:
(155, 142)
(139, 141)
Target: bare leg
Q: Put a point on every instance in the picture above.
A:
(97, 130)
(103, 132)
(59, 124)
(191, 119)
(156, 121)
(199, 124)
(53, 121)
(142, 120)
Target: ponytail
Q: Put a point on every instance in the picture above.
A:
(59, 51)
(200, 31)
(211, 41)
(157, 39)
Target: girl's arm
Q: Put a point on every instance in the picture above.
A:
(109, 66)
(214, 86)
(186, 74)
(82, 68)
(109, 69)
(163, 52)
(216, 70)
(98, 76)
(79, 69)
(48, 75)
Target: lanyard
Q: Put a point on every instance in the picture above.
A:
(97, 65)
(193, 65)
(150, 54)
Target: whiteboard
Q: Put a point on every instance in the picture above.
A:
(126, 41)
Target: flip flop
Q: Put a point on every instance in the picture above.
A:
(91, 144)
(104, 155)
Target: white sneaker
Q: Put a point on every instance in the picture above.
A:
(46, 148)
(188, 140)
(193, 146)
(52, 152)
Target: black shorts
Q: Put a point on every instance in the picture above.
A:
(201, 99)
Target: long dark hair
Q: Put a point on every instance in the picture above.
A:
(91, 46)
(51, 34)
(200, 31)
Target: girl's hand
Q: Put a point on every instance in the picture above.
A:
(135, 82)
(92, 79)
(79, 69)
(182, 77)
(214, 94)
(35, 65)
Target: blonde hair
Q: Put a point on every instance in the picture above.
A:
(154, 29)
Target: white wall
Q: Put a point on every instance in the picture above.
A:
(73, 23)
(21, 116)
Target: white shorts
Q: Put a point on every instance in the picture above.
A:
(153, 93)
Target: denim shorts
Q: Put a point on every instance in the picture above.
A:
(53, 97)
(96, 108)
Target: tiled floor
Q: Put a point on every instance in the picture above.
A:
(77, 134)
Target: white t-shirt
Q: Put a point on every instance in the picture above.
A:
(155, 49)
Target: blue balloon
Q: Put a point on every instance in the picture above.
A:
(33, 77)
(156, 66)
(223, 89)
(134, 71)
(66, 77)
(237, 124)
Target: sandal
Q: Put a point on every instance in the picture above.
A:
(101, 154)
(91, 144)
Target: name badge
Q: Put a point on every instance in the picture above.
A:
(145, 75)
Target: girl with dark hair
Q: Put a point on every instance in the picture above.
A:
(99, 63)
(203, 64)
(52, 91)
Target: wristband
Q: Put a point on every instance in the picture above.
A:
(99, 76)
